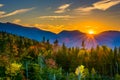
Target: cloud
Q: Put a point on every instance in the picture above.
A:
(1, 5)
(100, 5)
(17, 21)
(19, 11)
(1, 13)
(86, 9)
(49, 27)
(56, 17)
(63, 8)
(106, 4)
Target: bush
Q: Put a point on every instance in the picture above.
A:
(117, 77)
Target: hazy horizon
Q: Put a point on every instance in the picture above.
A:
(57, 32)
(58, 15)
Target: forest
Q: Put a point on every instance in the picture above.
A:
(25, 59)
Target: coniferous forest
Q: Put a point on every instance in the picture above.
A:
(25, 59)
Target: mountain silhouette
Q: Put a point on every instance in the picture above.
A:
(29, 32)
(70, 38)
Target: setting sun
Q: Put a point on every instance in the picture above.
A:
(59, 39)
(91, 32)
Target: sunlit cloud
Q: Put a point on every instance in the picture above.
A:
(17, 21)
(55, 28)
(46, 27)
(85, 9)
(63, 8)
(19, 11)
(106, 4)
(100, 5)
(49, 27)
(1, 5)
(56, 17)
(1, 13)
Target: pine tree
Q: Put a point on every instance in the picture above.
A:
(56, 42)
(43, 41)
(83, 44)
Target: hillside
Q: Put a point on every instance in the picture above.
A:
(70, 38)
(30, 32)
(26, 59)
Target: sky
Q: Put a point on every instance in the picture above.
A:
(59, 15)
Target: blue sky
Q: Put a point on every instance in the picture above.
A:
(58, 15)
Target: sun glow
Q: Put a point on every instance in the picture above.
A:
(90, 39)
(91, 32)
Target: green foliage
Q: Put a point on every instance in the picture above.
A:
(93, 72)
(2, 71)
(117, 77)
(26, 59)
(71, 76)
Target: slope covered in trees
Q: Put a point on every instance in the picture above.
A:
(70, 38)
(25, 59)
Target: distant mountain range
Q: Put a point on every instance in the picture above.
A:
(70, 38)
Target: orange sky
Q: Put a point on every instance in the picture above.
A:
(55, 15)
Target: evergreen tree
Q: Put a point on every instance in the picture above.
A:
(83, 44)
(43, 41)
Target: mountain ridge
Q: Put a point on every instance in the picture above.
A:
(70, 38)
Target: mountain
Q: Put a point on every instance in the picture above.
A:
(75, 38)
(70, 38)
(109, 38)
(30, 32)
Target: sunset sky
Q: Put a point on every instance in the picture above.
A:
(58, 15)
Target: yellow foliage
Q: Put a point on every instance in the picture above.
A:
(93, 71)
(8, 78)
(81, 52)
(82, 71)
(79, 70)
(13, 69)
